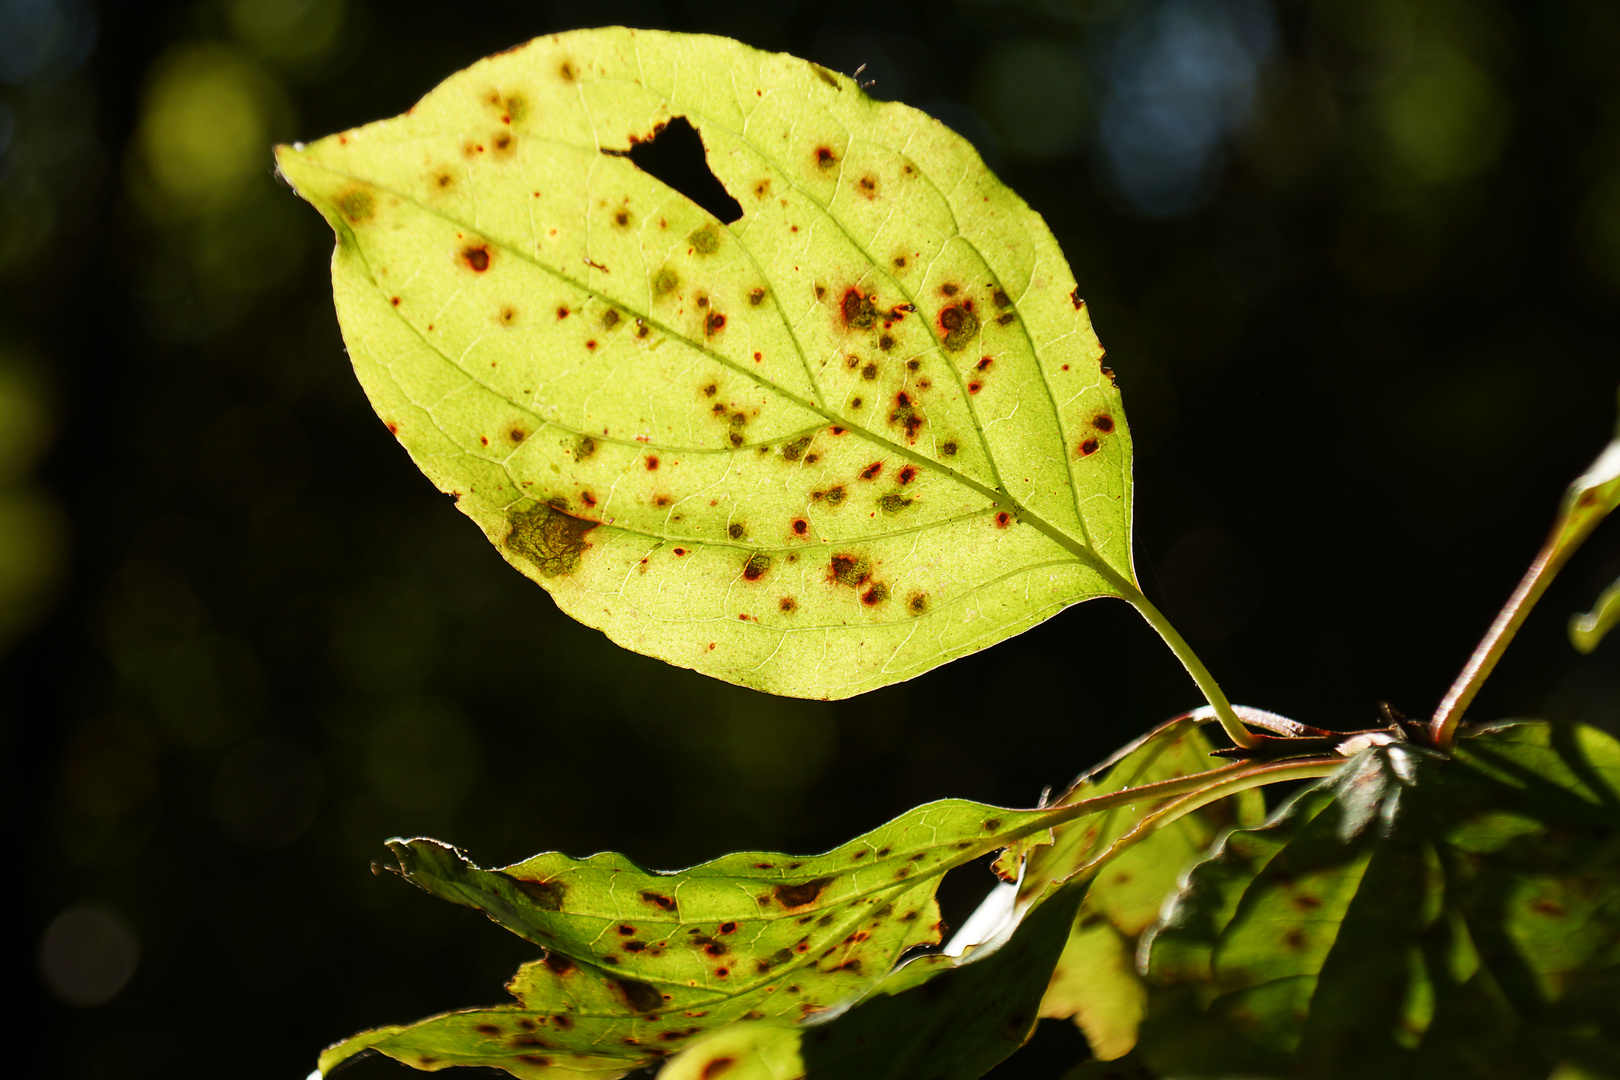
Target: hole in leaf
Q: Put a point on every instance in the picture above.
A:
(675, 156)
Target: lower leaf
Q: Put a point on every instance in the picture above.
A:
(1410, 916)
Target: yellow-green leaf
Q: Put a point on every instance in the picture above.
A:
(857, 432)
(1586, 631)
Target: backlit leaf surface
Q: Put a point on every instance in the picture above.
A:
(1408, 917)
(860, 431)
(637, 963)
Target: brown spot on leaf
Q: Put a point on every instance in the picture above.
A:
(715, 323)
(552, 541)
(851, 570)
(652, 462)
(718, 1067)
(638, 995)
(1103, 422)
(858, 310)
(868, 185)
(788, 604)
(358, 206)
(893, 503)
(869, 372)
(872, 471)
(803, 894)
(659, 900)
(1074, 298)
(948, 449)
(917, 603)
(476, 256)
(800, 526)
(908, 474)
(757, 564)
(1089, 447)
(825, 158)
(874, 596)
(566, 71)
(558, 963)
(1003, 519)
(958, 326)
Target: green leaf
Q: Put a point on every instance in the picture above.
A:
(637, 964)
(941, 1017)
(1586, 631)
(1411, 916)
(1095, 981)
(860, 431)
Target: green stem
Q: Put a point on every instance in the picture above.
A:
(1230, 784)
(1195, 667)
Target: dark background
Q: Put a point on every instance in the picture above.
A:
(1357, 264)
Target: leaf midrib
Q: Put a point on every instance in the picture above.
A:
(996, 497)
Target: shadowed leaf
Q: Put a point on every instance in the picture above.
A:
(938, 1017)
(1096, 981)
(857, 432)
(1410, 917)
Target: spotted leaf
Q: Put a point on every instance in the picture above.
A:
(860, 430)
(940, 1017)
(637, 964)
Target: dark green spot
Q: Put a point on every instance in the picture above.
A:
(549, 539)
(893, 504)
(584, 447)
(666, 281)
(705, 241)
(357, 206)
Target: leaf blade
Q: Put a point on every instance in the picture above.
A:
(638, 964)
(874, 450)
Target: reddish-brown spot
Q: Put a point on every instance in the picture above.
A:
(908, 474)
(858, 310)
(394, 300)
(801, 895)
(559, 964)
(476, 256)
(1103, 422)
(874, 596)
(871, 471)
(1089, 447)
(717, 1067)
(487, 1029)
(948, 449)
(825, 158)
(1074, 298)
(868, 185)
(715, 323)
(393, 429)
(652, 462)
(983, 364)
(679, 552)
(975, 386)
(659, 900)
(758, 564)
(800, 526)
(849, 570)
(788, 604)
(948, 290)
(1003, 519)
(1306, 902)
